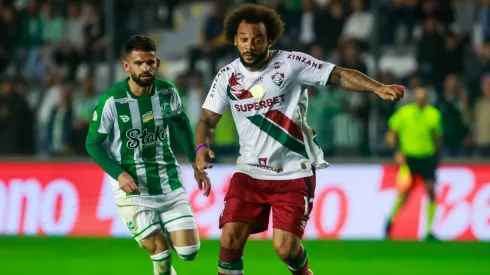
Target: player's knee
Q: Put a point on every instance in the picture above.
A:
(285, 250)
(154, 245)
(232, 237)
(187, 253)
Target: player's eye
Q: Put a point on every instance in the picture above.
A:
(243, 39)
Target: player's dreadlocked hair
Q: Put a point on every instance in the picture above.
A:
(254, 14)
(140, 43)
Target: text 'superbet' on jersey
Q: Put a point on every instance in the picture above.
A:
(269, 108)
(137, 133)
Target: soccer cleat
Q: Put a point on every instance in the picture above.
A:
(310, 272)
(431, 238)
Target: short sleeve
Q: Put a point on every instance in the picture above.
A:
(309, 70)
(103, 117)
(217, 100)
(394, 122)
(173, 107)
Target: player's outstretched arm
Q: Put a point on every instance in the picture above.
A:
(204, 135)
(356, 81)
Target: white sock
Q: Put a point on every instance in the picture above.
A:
(162, 263)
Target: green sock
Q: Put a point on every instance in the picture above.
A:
(430, 215)
(396, 208)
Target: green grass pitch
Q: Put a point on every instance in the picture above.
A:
(23, 255)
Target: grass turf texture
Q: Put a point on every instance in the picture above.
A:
(22, 255)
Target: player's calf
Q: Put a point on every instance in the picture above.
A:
(291, 252)
(233, 238)
(158, 247)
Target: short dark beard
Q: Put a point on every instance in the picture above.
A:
(257, 63)
(142, 83)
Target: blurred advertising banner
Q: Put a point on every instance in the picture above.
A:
(352, 202)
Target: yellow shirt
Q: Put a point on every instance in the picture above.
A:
(416, 129)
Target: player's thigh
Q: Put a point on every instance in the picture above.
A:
(245, 203)
(144, 226)
(178, 220)
(155, 243)
(292, 204)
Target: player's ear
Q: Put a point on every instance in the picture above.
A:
(125, 65)
(270, 44)
(158, 63)
(235, 41)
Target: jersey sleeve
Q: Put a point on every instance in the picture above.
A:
(102, 123)
(394, 122)
(217, 100)
(174, 109)
(309, 70)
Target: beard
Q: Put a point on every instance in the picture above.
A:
(143, 83)
(259, 59)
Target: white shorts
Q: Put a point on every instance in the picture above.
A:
(144, 215)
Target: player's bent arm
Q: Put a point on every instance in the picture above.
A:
(101, 125)
(353, 80)
(206, 126)
(183, 131)
(95, 149)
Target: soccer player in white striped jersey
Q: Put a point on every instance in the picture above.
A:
(134, 116)
(275, 172)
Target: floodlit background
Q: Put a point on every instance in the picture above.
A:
(57, 57)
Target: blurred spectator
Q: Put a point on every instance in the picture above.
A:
(332, 15)
(75, 24)
(482, 119)
(11, 34)
(454, 107)
(429, 48)
(213, 42)
(398, 14)
(85, 100)
(32, 41)
(359, 24)
(307, 28)
(451, 60)
(94, 31)
(440, 10)
(53, 26)
(60, 132)
(16, 122)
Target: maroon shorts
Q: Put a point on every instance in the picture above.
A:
(250, 200)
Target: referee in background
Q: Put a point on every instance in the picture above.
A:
(415, 132)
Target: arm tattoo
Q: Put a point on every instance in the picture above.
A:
(206, 126)
(353, 80)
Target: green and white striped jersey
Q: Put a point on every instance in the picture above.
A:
(137, 135)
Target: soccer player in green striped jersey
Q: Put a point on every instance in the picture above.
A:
(134, 117)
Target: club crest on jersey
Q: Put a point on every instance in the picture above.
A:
(166, 109)
(147, 117)
(278, 78)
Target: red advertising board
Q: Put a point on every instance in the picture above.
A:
(352, 202)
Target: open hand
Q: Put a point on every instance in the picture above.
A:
(391, 92)
(202, 180)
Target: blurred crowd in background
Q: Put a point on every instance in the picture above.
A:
(57, 57)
